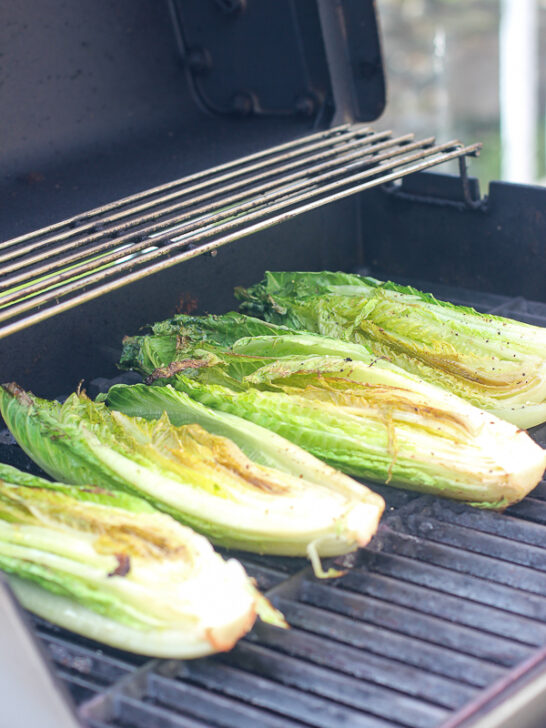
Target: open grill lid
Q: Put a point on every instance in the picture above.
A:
(110, 98)
(306, 65)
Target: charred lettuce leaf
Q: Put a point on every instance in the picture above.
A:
(240, 485)
(109, 566)
(495, 363)
(356, 411)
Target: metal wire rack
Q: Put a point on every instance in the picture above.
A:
(61, 266)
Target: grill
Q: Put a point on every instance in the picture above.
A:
(71, 262)
(441, 621)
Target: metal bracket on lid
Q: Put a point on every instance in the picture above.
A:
(353, 52)
(228, 48)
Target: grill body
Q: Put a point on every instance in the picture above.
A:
(442, 619)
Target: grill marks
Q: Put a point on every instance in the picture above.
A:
(376, 400)
(228, 456)
(175, 367)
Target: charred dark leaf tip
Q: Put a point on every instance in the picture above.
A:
(182, 342)
(174, 368)
(18, 392)
(123, 567)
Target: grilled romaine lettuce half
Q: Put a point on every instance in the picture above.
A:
(109, 566)
(495, 363)
(357, 412)
(239, 484)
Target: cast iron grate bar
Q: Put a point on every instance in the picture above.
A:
(64, 265)
(532, 509)
(484, 543)
(405, 620)
(359, 694)
(361, 663)
(207, 705)
(540, 491)
(382, 641)
(447, 607)
(427, 574)
(138, 714)
(502, 525)
(73, 659)
(298, 695)
(79, 688)
(467, 566)
(259, 696)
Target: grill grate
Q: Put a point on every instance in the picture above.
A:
(54, 269)
(447, 603)
(413, 633)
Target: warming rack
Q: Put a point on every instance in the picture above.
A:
(54, 269)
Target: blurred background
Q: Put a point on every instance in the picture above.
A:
(471, 69)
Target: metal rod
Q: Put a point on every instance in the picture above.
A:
(234, 220)
(124, 249)
(170, 185)
(256, 227)
(43, 254)
(370, 156)
(304, 142)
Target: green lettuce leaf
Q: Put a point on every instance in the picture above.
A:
(242, 486)
(109, 566)
(495, 363)
(359, 412)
